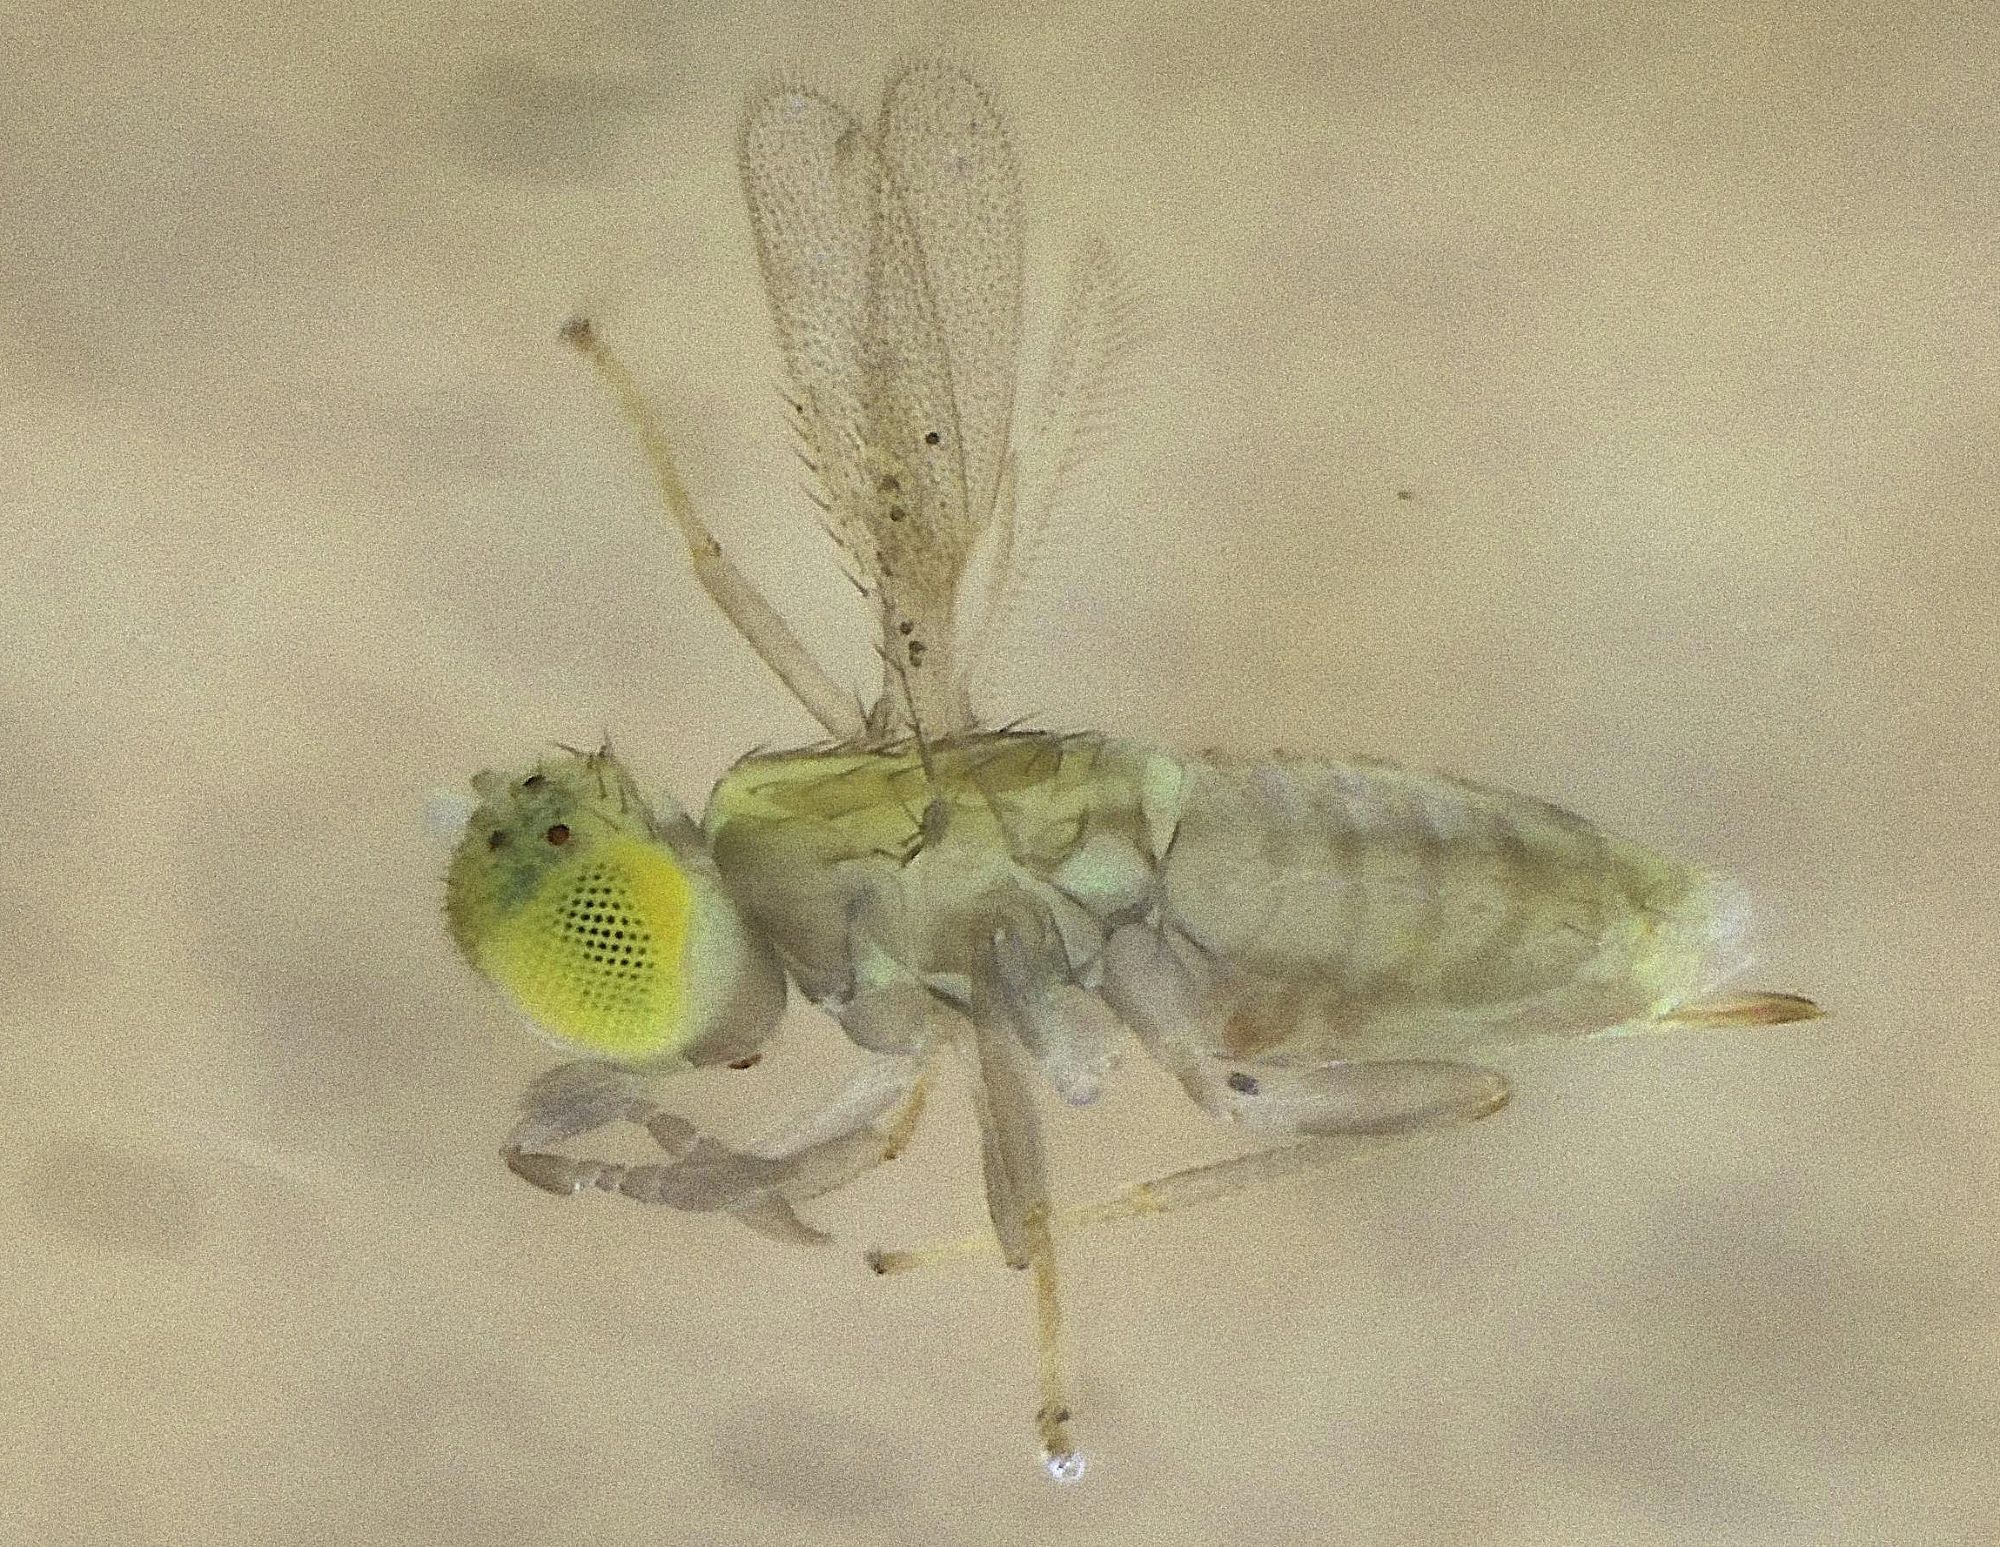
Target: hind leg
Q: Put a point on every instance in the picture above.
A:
(1746, 1009)
(1210, 1183)
(1346, 1111)
(1338, 1112)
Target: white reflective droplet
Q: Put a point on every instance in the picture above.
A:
(1064, 1466)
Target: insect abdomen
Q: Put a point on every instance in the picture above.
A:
(1360, 909)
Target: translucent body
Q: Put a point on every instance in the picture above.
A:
(1304, 910)
(1314, 948)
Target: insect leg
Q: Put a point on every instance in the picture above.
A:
(1173, 1000)
(867, 1122)
(1237, 1095)
(1017, 1197)
(1748, 1009)
(1180, 1189)
(1341, 1110)
(1071, 1034)
(699, 1174)
(742, 603)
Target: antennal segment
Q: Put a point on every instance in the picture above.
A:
(742, 603)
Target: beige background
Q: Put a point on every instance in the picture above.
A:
(1678, 323)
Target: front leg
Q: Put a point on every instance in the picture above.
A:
(867, 1122)
(580, 1098)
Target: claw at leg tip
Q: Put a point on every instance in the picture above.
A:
(1065, 1466)
(551, 1173)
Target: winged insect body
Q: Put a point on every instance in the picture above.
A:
(1321, 951)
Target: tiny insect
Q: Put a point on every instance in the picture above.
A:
(1320, 951)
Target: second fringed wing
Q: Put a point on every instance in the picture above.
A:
(892, 260)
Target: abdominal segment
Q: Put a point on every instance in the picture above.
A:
(1357, 910)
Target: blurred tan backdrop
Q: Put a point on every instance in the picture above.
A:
(1675, 323)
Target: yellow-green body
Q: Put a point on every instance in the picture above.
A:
(1306, 910)
(1308, 946)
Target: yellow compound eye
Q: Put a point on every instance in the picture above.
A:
(594, 953)
(604, 924)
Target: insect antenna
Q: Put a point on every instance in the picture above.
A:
(752, 616)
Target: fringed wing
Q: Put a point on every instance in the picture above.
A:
(892, 264)
(947, 150)
(1090, 377)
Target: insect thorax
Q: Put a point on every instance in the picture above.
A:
(834, 851)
